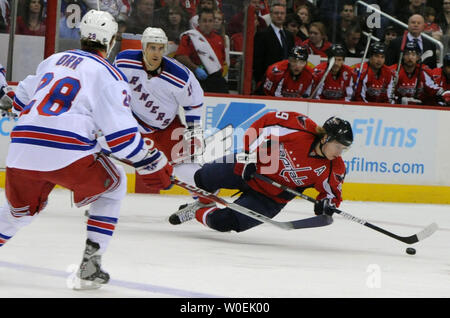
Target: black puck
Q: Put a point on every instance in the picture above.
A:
(410, 251)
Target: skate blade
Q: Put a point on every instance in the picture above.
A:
(82, 284)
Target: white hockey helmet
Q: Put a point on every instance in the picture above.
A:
(154, 35)
(99, 26)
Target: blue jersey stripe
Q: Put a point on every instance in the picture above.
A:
(138, 148)
(123, 145)
(5, 237)
(52, 131)
(121, 133)
(170, 81)
(103, 219)
(98, 230)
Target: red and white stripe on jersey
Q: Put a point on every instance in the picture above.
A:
(101, 224)
(173, 78)
(115, 177)
(3, 239)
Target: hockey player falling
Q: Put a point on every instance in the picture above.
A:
(305, 155)
(159, 86)
(73, 94)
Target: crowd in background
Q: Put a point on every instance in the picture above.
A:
(317, 25)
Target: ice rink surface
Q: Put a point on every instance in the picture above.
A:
(148, 257)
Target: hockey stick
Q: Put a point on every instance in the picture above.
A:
(361, 65)
(330, 65)
(423, 57)
(426, 232)
(288, 225)
(402, 50)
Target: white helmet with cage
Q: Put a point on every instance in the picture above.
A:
(154, 35)
(99, 26)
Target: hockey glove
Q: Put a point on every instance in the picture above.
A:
(201, 73)
(249, 162)
(444, 98)
(156, 171)
(193, 140)
(324, 206)
(6, 101)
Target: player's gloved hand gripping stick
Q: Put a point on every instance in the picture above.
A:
(426, 232)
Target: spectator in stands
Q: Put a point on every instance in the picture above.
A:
(313, 12)
(352, 42)
(346, 21)
(415, 7)
(4, 16)
(292, 24)
(32, 22)
(203, 4)
(291, 77)
(416, 25)
(141, 16)
(390, 34)
(208, 66)
(443, 18)
(317, 42)
(338, 85)
(271, 45)
(304, 14)
(219, 27)
(119, 9)
(432, 28)
(236, 24)
(173, 20)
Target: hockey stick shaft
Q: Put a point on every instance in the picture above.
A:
(361, 65)
(409, 239)
(402, 50)
(288, 225)
(322, 80)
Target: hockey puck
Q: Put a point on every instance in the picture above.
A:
(410, 251)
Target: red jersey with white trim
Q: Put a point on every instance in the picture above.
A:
(375, 86)
(339, 87)
(314, 50)
(406, 85)
(295, 164)
(440, 78)
(280, 81)
(156, 99)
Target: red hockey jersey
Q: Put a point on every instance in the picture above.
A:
(293, 161)
(374, 87)
(336, 88)
(280, 82)
(406, 85)
(440, 78)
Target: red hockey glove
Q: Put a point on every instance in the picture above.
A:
(156, 171)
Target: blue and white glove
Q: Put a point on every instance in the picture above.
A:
(201, 73)
(324, 206)
(6, 101)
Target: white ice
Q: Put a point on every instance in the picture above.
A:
(148, 257)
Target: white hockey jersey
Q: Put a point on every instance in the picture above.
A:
(155, 100)
(62, 107)
(2, 76)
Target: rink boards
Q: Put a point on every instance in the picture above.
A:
(400, 154)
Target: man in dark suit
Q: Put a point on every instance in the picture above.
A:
(273, 44)
(416, 25)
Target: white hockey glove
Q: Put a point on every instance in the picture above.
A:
(194, 144)
(6, 101)
(409, 100)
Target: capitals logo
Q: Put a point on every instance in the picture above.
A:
(289, 172)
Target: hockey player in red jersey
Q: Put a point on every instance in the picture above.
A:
(338, 84)
(302, 155)
(415, 84)
(441, 75)
(376, 80)
(291, 77)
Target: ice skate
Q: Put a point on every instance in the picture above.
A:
(187, 211)
(90, 274)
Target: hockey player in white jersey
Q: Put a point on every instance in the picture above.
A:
(160, 86)
(73, 95)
